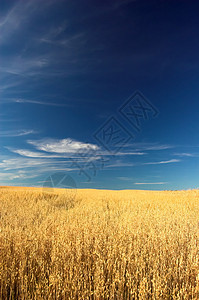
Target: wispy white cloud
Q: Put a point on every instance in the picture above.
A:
(162, 162)
(143, 183)
(83, 155)
(15, 133)
(20, 100)
(106, 153)
(157, 147)
(119, 164)
(53, 34)
(39, 165)
(36, 154)
(124, 178)
(183, 154)
(130, 164)
(56, 37)
(22, 163)
(44, 61)
(9, 85)
(22, 175)
(67, 145)
(19, 174)
(15, 18)
(13, 23)
(32, 154)
(149, 146)
(22, 65)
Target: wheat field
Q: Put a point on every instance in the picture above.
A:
(99, 244)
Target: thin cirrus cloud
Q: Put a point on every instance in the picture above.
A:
(151, 146)
(15, 133)
(95, 155)
(41, 63)
(124, 178)
(19, 100)
(22, 163)
(130, 179)
(67, 145)
(39, 165)
(106, 153)
(143, 183)
(20, 174)
(36, 154)
(162, 162)
(11, 23)
(183, 154)
(33, 154)
(67, 148)
(120, 164)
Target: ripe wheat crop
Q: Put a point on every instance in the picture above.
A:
(99, 244)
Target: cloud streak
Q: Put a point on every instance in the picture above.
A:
(26, 101)
(16, 133)
(143, 183)
(162, 162)
(40, 165)
(183, 154)
(151, 146)
(32, 154)
(67, 145)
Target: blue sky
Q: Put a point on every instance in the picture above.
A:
(74, 78)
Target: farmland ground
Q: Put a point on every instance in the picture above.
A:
(99, 244)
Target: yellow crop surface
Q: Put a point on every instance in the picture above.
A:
(99, 244)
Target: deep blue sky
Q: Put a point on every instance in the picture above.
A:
(67, 68)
